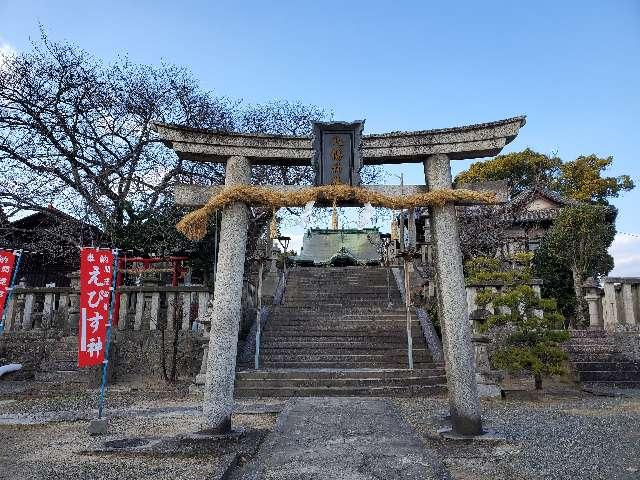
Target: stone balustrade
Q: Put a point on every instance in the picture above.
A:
(146, 307)
(614, 305)
(475, 312)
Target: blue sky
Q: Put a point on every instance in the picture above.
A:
(572, 67)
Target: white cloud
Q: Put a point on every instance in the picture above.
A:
(625, 251)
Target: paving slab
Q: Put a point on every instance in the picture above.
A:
(342, 438)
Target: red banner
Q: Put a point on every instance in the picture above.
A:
(96, 275)
(7, 260)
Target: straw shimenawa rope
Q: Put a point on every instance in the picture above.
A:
(194, 224)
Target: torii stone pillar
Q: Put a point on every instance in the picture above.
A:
(460, 367)
(227, 305)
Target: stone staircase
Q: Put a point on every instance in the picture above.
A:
(598, 362)
(335, 335)
(59, 369)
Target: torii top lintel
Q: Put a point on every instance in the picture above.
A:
(458, 143)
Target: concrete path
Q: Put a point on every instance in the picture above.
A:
(342, 438)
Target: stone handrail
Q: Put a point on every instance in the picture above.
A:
(145, 307)
(430, 335)
(614, 305)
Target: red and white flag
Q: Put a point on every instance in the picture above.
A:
(7, 260)
(96, 276)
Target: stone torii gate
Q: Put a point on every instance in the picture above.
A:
(433, 148)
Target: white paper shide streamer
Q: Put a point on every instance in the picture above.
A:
(365, 216)
(305, 218)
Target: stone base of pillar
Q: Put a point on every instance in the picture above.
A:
(487, 435)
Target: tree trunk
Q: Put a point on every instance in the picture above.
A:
(174, 344)
(577, 287)
(537, 377)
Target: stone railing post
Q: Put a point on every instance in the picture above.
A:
(47, 310)
(464, 402)
(629, 300)
(15, 308)
(62, 313)
(172, 308)
(610, 307)
(151, 303)
(123, 310)
(593, 296)
(227, 301)
(27, 320)
(203, 301)
(74, 302)
(186, 311)
(10, 309)
(19, 299)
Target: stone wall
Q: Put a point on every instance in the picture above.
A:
(628, 343)
(139, 353)
(30, 348)
(134, 353)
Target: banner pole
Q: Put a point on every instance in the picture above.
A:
(105, 362)
(16, 267)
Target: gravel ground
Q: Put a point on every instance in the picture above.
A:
(561, 437)
(568, 435)
(51, 450)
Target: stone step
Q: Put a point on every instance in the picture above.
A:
(64, 355)
(343, 365)
(328, 373)
(340, 354)
(364, 322)
(312, 308)
(587, 333)
(299, 313)
(606, 366)
(596, 348)
(340, 382)
(353, 300)
(63, 376)
(595, 357)
(307, 317)
(286, 311)
(382, 344)
(345, 328)
(384, 391)
(346, 331)
(614, 384)
(295, 353)
(54, 365)
(610, 376)
(329, 339)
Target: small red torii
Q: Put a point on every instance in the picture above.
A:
(176, 269)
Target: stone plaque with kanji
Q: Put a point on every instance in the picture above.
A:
(337, 152)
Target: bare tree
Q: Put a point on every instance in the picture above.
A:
(77, 133)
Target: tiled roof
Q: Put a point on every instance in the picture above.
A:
(322, 246)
